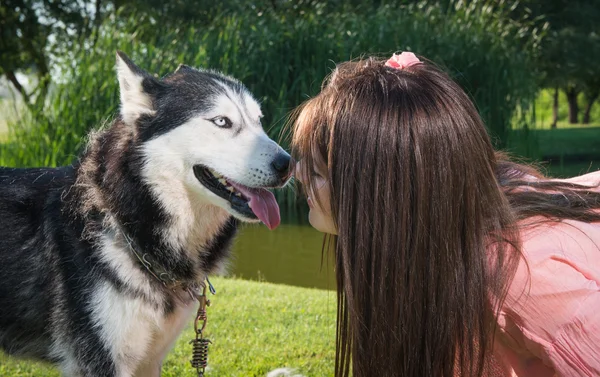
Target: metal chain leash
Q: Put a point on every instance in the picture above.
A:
(200, 343)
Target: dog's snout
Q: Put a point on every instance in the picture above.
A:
(282, 164)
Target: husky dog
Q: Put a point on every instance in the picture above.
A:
(99, 261)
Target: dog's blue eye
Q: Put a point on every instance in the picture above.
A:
(222, 122)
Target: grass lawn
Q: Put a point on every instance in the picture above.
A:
(568, 142)
(255, 328)
(571, 151)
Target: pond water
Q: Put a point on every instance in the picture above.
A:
(290, 254)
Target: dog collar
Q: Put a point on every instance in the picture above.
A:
(163, 276)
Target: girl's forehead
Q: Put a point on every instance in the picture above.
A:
(311, 132)
(313, 160)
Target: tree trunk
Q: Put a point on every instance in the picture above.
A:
(555, 108)
(10, 75)
(591, 99)
(573, 106)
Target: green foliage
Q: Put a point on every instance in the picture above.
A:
(570, 52)
(572, 32)
(30, 31)
(282, 60)
(255, 328)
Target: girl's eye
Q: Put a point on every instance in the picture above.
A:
(319, 176)
(222, 122)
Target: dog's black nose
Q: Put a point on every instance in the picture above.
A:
(281, 164)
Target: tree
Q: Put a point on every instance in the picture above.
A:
(26, 29)
(570, 44)
(33, 31)
(592, 92)
(591, 76)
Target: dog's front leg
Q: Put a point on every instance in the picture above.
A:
(150, 369)
(88, 360)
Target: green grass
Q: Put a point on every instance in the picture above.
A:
(561, 143)
(255, 328)
(566, 125)
(569, 142)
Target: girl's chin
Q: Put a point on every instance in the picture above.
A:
(320, 223)
(314, 220)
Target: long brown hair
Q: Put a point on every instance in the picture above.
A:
(426, 213)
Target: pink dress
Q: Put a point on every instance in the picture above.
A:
(550, 323)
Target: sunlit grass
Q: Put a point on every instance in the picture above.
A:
(255, 328)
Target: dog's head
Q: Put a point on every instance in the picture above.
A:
(201, 130)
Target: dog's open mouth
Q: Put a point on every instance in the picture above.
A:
(251, 202)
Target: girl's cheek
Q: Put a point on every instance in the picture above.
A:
(324, 195)
(320, 183)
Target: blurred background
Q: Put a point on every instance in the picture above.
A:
(531, 66)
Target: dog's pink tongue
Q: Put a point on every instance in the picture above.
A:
(262, 203)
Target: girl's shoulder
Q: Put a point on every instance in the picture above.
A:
(551, 310)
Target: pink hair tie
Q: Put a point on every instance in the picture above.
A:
(404, 60)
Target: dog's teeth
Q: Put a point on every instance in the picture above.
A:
(222, 181)
(230, 188)
(238, 194)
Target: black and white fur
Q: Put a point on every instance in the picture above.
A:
(71, 290)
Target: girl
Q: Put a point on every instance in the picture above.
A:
(450, 259)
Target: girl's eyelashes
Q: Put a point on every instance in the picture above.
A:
(318, 173)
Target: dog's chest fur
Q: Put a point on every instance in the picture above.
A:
(137, 321)
(139, 335)
(75, 292)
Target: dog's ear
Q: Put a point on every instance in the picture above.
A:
(135, 86)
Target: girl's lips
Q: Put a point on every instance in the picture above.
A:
(310, 203)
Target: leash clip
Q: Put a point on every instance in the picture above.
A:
(212, 289)
(200, 343)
